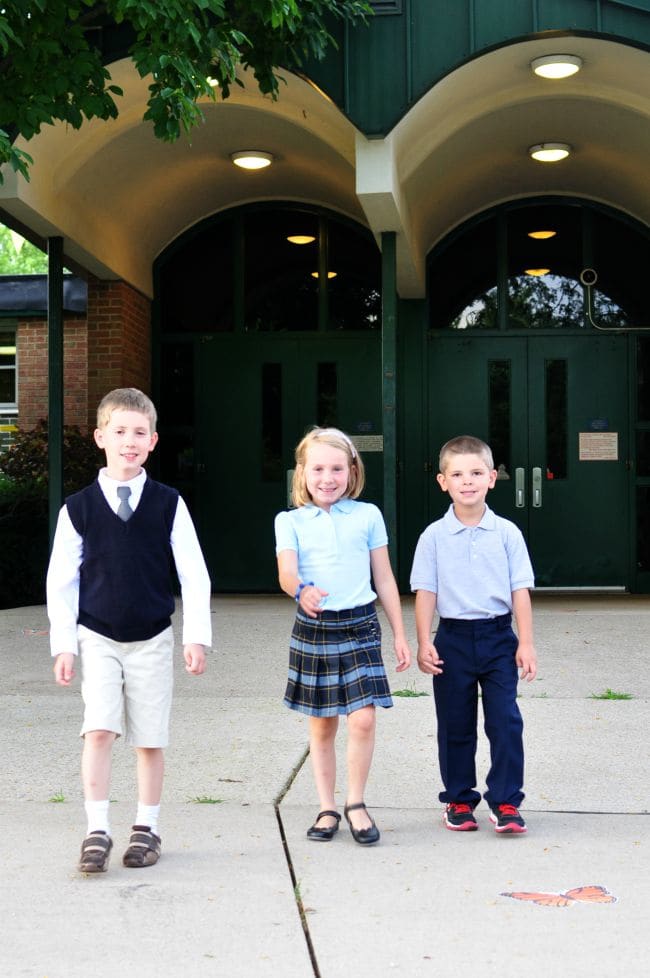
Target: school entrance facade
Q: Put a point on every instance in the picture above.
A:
(405, 268)
(548, 368)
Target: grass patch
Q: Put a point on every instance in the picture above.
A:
(409, 691)
(611, 694)
(57, 798)
(204, 800)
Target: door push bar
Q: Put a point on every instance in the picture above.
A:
(520, 488)
(537, 488)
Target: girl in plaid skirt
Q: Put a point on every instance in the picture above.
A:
(328, 547)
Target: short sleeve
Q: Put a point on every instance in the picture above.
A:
(377, 535)
(424, 572)
(521, 570)
(286, 537)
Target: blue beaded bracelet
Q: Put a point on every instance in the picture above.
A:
(300, 587)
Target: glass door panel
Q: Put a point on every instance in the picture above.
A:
(555, 414)
(258, 396)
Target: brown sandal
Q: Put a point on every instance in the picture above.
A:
(95, 852)
(143, 849)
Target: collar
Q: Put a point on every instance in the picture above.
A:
(310, 512)
(453, 524)
(106, 482)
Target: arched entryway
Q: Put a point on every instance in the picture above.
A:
(267, 322)
(552, 373)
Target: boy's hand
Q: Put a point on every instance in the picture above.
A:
(526, 660)
(428, 659)
(402, 654)
(64, 668)
(194, 656)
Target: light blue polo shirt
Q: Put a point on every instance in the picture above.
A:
(334, 548)
(473, 570)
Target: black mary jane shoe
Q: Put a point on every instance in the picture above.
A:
(365, 837)
(327, 833)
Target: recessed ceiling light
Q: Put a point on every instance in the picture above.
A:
(536, 272)
(556, 65)
(549, 152)
(301, 239)
(541, 235)
(251, 159)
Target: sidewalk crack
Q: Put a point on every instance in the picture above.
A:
(287, 855)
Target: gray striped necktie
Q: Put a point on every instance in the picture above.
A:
(124, 511)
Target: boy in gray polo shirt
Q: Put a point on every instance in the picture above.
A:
(472, 567)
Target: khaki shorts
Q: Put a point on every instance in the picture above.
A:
(127, 686)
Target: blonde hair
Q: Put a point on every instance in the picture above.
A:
(126, 399)
(465, 445)
(335, 439)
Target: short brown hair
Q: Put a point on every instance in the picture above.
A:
(126, 399)
(335, 439)
(465, 445)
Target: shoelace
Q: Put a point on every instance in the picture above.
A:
(461, 808)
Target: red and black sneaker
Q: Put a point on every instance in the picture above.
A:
(507, 819)
(459, 817)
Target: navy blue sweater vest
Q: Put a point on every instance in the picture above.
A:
(125, 586)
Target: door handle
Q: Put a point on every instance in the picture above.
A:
(537, 488)
(520, 492)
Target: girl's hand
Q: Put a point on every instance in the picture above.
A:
(402, 654)
(310, 600)
(428, 660)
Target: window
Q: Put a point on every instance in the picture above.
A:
(7, 368)
(519, 267)
(268, 269)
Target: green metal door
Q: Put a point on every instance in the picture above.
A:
(259, 393)
(554, 410)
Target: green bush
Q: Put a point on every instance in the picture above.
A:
(24, 553)
(26, 461)
(24, 507)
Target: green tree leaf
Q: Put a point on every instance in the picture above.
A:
(51, 66)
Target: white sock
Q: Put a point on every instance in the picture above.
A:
(97, 815)
(148, 815)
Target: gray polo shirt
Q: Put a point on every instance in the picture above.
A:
(473, 570)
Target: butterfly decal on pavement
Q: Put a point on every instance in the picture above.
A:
(580, 894)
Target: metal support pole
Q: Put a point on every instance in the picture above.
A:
(55, 378)
(389, 385)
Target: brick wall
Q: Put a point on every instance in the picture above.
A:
(31, 354)
(111, 348)
(119, 341)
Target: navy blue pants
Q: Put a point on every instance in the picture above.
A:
(478, 654)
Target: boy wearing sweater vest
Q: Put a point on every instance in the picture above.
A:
(110, 599)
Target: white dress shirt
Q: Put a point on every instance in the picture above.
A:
(65, 562)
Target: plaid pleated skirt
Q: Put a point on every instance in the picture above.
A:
(335, 663)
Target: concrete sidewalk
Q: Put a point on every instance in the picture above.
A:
(240, 891)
